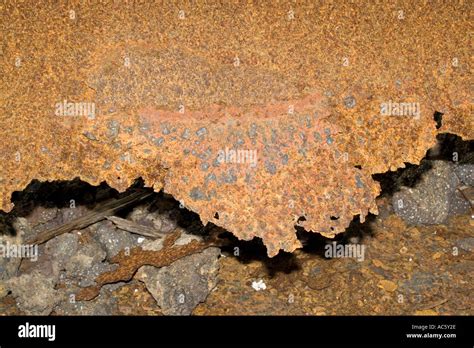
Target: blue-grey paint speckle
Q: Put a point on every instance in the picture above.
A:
(270, 167)
(274, 136)
(165, 130)
(216, 162)
(252, 131)
(157, 141)
(359, 182)
(317, 137)
(248, 178)
(90, 136)
(201, 131)
(211, 177)
(229, 178)
(349, 102)
(185, 134)
(329, 140)
(143, 127)
(205, 155)
(114, 128)
(204, 166)
(197, 195)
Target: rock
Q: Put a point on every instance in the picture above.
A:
(466, 244)
(46, 265)
(387, 285)
(8, 265)
(41, 215)
(186, 238)
(104, 304)
(423, 281)
(69, 214)
(459, 204)
(168, 224)
(159, 219)
(434, 197)
(62, 247)
(180, 287)
(86, 265)
(154, 245)
(34, 293)
(465, 173)
(141, 215)
(23, 228)
(113, 240)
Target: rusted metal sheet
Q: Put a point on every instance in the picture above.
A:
(257, 116)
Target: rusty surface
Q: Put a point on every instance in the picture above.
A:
(300, 84)
(130, 262)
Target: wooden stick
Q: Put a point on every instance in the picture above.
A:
(98, 214)
(133, 227)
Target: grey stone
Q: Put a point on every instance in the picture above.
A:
(9, 265)
(104, 304)
(34, 293)
(23, 228)
(113, 240)
(458, 204)
(167, 224)
(62, 247)
(69, 214)
(42, 215)
(465, 173)
(429, 201)
(141, 215)
(423, 281)
(86, 265)
(466, 243)
(180, 287)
